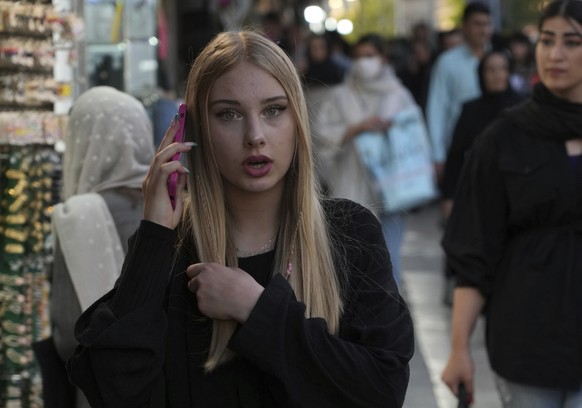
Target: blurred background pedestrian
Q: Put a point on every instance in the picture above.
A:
(369, 97)
(109, 147)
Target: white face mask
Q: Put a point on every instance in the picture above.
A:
(366, 68)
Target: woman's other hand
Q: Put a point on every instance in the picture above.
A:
(157, 205)
(375, 124)
(459, 369)
(468, 303)
(222, 292)
(371, 124)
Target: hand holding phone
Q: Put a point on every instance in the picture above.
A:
(178, 138)
(463, 397)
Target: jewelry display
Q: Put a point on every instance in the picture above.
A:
(29, 189)
(31, 33)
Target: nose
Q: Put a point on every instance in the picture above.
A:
(557, 51)
(254, 134)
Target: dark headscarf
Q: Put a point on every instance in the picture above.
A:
(326, 72)
(548, 117)
(483, 65)
(501, 100)
(323, 73)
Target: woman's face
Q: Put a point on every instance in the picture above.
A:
(365, 50)
(559, 57)
(519, 51)
(496, 73)
(252, 130)
(368, 62)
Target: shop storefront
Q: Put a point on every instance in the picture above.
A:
(50, 52)
(36, 82)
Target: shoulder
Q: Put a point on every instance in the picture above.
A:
(79, 207)
(477, 109)
(359, 249)
(399, 90)
(351, 220)
(456, 61)
(514, 99)
(342, 208)
(491, 137)
(510, 127)
(335, 97)
(121, 195)
(451, 55)
(341, 90)
(504, 143)
(472, 104)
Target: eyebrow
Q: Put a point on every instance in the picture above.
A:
(237, 103)
(568, 34)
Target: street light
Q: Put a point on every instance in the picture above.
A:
(330, 24)
(345, 27)
(314, 14)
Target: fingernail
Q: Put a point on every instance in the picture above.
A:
(187, 170)
(174, 120)
(190, 144)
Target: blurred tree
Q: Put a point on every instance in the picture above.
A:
(515, 14)
(518, 14)
(371, 16)
(455, 12)
(378, 15)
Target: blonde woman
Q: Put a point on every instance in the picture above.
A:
(253, 291)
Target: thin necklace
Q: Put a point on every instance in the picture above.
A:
(269, 245)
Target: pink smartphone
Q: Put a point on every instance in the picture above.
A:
(173, 179)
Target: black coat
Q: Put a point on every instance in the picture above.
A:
(516, 234)
(143, 344)
(475, 116)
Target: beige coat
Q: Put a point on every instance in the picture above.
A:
(348, 104)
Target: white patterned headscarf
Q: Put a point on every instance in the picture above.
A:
(109, 142)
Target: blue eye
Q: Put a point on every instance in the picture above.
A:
(228, 114)
(274, 110)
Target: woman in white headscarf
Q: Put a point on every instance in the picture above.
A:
(370, 96)
(108, 149)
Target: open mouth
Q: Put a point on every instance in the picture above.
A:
(257, 164)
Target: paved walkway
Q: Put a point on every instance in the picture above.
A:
(422, 286)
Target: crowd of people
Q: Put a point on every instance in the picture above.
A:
(274, 280)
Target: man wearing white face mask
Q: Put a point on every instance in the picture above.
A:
(370, 95)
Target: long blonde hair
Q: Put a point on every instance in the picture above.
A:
(303, 238)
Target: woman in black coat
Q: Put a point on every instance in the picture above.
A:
(477, 114)
(514, 238)
(253, 291)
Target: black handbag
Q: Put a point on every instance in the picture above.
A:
(58, 392)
